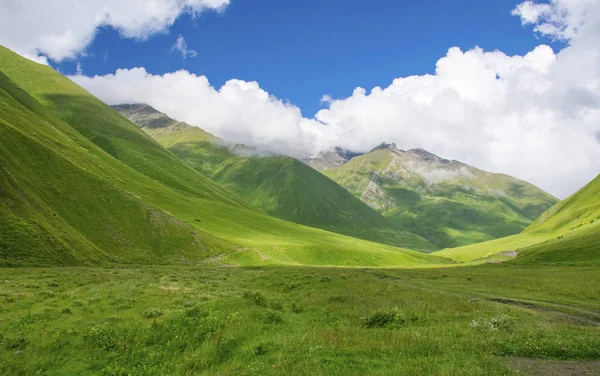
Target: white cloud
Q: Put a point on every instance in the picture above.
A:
(560, 19)
(239, 111)
(63, 28)
(181, 46)
(535, 116)
(326, 99)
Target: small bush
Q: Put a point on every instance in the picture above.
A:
(296, 307)
(16, 343)
(502, 322)
(67, 311)
(325, 279)
(152, 313)
(195, 311)
(46, 294)
(256, 297)
(386, 317)
(338, 299)
(290, 286)
(103, 338)
(261, 349)
(272, 317)
(277, 305)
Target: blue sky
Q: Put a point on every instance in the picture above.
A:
(301, 50)
(521, 104)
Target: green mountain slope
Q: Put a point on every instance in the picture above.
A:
(568, 233)
(81, 184)
(281, 186)
(447, 202)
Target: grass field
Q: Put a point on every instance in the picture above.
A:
(293, 320)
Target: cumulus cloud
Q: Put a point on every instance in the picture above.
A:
(239, 111)
(533, 116)
(181, 46)
(560, 19)
(62, 29)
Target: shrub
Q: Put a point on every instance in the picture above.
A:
(296, 307)
(256, 297)
(290, 286)
(272, 317)
(16, 344)
(152, 313)
(325, 279)
(386, 317)
(277, 305)
(46, 294)
(338, 299)
(261, 349)
(103, 338)
(502, 322)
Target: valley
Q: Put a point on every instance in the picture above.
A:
(135, 244)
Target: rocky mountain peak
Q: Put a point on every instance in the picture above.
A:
(386, 146)
(145, 116)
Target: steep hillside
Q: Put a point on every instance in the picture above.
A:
(447, 202)
(568, 233)
(281, 186)
(79, 184)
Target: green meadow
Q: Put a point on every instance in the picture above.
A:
(154, 320)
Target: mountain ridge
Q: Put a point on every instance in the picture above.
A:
(446, 201)
(281, 186)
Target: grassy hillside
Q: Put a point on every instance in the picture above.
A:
(281, 186)
(447, 202)
(80, 183)
(568, 233)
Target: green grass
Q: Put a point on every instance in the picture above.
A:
(280, 186)
(568, 233)
(470, 207)
(82, 184)
(291, 320)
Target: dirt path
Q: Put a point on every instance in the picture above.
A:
(540, 367)
(576, 315)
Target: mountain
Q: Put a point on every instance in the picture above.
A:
(447, 202)
(80, 184)
(280, 186)
(566, 234)
(329, 159)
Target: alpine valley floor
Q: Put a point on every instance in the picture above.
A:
(494, 319)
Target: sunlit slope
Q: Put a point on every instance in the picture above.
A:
(281, 186)
(579, 210)
(107, 128)
(447, 202)
(65, 200)
(569, 232)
